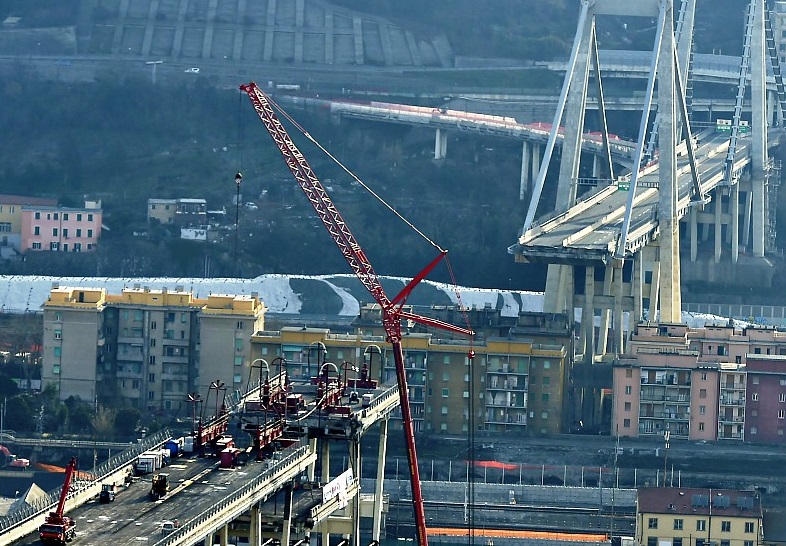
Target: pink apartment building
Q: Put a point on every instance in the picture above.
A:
(61, 229)
(710, 383)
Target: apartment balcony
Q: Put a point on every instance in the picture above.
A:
(507, 423)
(652, 397)
(734, 402)
(128, 375)
(732, 387)
(137, 341)
(175, 359)
(171, 342)
(734, 419)
(130, 357)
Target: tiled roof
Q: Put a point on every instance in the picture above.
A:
(676, 500)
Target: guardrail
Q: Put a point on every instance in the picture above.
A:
(43, 505)
(207, 522)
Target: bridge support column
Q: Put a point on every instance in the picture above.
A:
(525, 186)
(655, 290)
(595, 166)
(746, 221)
(254, 530)
(694, 233)
(734, 208)
(355, 539)
(287, 521)
(310, 471)
(605, 314)
(619, 333)
(758, 135)
(441, 144)
(636, 284)
(325, 479)
(718, 204)
(378, 488)
(223, 534)
(536, 153)
(588, 316)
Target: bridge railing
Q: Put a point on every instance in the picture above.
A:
(46, 503)
(193, 526)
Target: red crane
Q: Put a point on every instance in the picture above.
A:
(392, 310)
(57, 528)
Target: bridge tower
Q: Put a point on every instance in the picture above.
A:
(601, 286)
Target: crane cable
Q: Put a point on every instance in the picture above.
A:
(305, 133)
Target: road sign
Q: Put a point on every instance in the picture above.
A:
(623, 185)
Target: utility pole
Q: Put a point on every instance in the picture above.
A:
(238, 179)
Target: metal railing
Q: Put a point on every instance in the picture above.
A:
(50, 500)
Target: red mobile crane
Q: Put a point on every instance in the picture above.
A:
(57, 528)
(392, 312)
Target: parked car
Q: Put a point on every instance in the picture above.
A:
(193, 70)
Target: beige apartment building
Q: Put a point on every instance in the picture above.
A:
(705, 383)
(674, 516)
(515, 383)
(145, 348)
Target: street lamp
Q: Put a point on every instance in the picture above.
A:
(666, 436)
(238, 179)
(153, 65)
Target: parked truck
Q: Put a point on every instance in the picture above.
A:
(159, 486)
(108, 492)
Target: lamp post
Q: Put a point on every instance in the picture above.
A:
(238, 180)
(153, 65)
(666, 436)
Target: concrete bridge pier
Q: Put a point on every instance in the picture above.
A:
(525, 185)
(441, 144)
(378, 488)
(287, 524)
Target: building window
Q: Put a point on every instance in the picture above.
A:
(56, 216)
(677, 524)
(65, 216)
(446, 359)
(747, 543)
(54, 232)
(755, 397)
(79, 232)
(151, 395)
(237, 378)
(78, 216)
(445, 393)
(152, 342)
(151, 359)
(782, 397)
(626, 423)
(652, 523)
(89, 233)
(676, 542)
(238, 361)
(546, 380)
(701, 525)
(781, 414)
(749, 525)
(701, 427)
(37, 230)
(89, 217)
(445, 376)
(702, 410)
(704, 376)
(153, 325)
(628, 373)
(57, 351)
(58, 334)
(238, 326)
(628, 389)
(702, 393)
(544, 415)
(37, 215)
(444, 410)
(546, 364)
(151, 378)
(54, 246)
(652, 541)
(627, 406)
(36, 246)
(754, 430)
(56, 369)
(755, 380)
(726, 526)
(544, 397)
(725, 543)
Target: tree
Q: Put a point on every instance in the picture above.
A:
(104, 422)
(126, 421)
(19, 414)
(8, 386)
